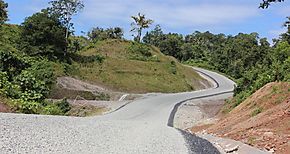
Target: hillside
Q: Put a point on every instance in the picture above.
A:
(126, 69)
(29, 81)
(262, 120)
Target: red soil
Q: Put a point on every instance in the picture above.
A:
(269, 129)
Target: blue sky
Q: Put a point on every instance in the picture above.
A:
(181, 16)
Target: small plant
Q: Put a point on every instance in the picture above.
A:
(140, 49)
(251, 140)
(103, 97)
(173, 67)
(257, 111)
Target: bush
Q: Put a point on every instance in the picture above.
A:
(43, 35)
(141, 52)
(31, 87)
(173, 67)
(27, 107)
(56, 108)
(257, 111)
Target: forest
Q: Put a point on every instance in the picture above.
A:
(249, 60)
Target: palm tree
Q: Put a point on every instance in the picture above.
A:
(140, 23)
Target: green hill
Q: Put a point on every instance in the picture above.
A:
(28, 81)
(133, 68)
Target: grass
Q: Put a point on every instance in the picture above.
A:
(84, 111)
(120, 72)
(257, 111)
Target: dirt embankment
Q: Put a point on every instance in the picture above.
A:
(4, 108)
(263, 120)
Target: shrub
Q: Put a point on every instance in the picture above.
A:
(173, 67)
(27, 107)
(141, 52)
(257, 111)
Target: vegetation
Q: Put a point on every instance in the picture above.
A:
(250, 60)
(64, 10)
(43, 35)
(3, 11)
(43, 47)
(133, 67)
(140, 23)
(100, 34)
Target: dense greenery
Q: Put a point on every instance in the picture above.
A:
(3, 11)
(100, 34)
(43, 35)
(250, 60)
(26, 72)
(65, 10)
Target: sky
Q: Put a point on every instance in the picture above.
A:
(180, 16)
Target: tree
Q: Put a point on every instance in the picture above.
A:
(3, 12)
(65, 9)
(140, 23)
(115, 33)
(266, 3)
(171, 45)
(154, 37)
(286, 36)
(98, 34)
(43, 35)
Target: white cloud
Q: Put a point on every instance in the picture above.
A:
(171, 14)
(277, 32)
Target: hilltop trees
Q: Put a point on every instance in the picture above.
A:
(43, 35)
(3, 11)
(140, 23)
(98, 34)
(64, 10)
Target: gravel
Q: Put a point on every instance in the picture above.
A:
(139, 127)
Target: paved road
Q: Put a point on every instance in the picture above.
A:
(143, 126)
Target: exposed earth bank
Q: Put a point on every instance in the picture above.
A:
(262, 120)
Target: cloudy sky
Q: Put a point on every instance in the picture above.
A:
(181, 16)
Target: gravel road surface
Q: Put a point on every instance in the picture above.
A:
(143, 126)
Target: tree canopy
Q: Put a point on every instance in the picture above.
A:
(43, 35)
(98, 34)
(3, 12)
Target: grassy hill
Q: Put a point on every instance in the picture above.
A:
(29, 81)
(124, 67)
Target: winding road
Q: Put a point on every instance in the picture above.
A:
(143, 126)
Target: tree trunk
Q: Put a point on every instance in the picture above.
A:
(139, 35)
(66, 40)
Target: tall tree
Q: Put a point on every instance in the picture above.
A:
(65, 9)
(3, 12)
(43, 35)
(140, 23)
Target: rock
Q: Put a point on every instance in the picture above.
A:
(272, 150)
(269, 134)
(233, 149)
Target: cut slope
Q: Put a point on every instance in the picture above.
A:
(120, 70)
(263, 120)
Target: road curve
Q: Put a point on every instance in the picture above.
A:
(144, 126)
